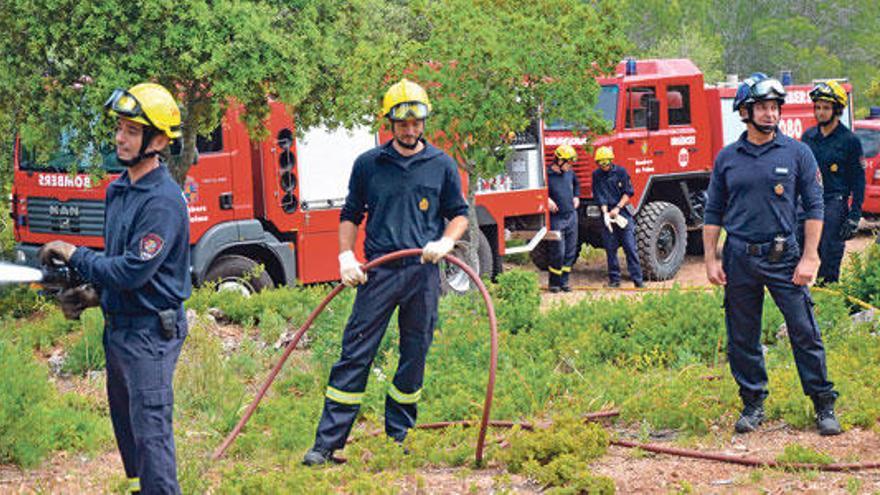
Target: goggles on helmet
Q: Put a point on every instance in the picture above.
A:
(409, 110)
(823, 91)
(124, 104)
(768, 89)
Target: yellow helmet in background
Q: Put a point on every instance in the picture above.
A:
(406, 100)
(565, 153)
(149, 104)
(604, 154)
(829, 91)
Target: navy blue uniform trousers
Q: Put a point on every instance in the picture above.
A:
(140, 368)
(414, 288)
(564, 252)
(622, 238)
(831, 245)
(748, 271)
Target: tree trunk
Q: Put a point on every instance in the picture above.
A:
(473, 224)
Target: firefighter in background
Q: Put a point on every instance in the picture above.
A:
(143, 279)
(756, 185)
(563, 203)
(612, 189)
(410, 188)
(839, 155)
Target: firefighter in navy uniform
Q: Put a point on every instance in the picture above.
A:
(563, 203)
(839, 155)
(756, 185)
(143, 279)
(612, 189)
(409, 188)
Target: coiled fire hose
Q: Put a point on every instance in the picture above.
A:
(493, 359)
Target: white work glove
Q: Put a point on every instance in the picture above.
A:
(434, 251)
(607, 219)
(621, 221)
(350, 269)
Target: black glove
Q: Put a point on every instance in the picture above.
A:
(54, 252)
(849, 228)
(74, 301)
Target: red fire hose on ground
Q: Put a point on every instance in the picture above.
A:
(493, 359)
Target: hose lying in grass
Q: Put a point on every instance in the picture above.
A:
(493, 358)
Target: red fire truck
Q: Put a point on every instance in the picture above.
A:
(868, 131)
(273, 203)
(667, 128)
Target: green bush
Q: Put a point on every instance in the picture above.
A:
(517, 299)
(20, 301)
(860, 276)
(40, 332)
(86, 353)
(796, 453)
(24, 394)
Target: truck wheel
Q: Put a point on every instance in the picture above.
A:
(695, 242)
(240, 274)
(540, 256)
(454, 279)
(661, 236)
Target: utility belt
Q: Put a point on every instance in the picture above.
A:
(834, 197)
(773, 250)
(166, 319)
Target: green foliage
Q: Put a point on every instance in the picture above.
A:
(517, 298)
(559, 456)
(796, 453)
(86, 353)
(40, 332)
(34, 420)
(20, 301)
(690, 41)
(860, 276)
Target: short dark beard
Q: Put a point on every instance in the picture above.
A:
(410, 146)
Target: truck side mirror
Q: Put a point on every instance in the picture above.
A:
(653, 114)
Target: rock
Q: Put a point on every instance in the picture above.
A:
(218, 315)
(782, 332)
(866, 316)
(56, 362)
(230, 345)
(95, 375)
(190, 317)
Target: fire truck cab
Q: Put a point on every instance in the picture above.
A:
(868, 132)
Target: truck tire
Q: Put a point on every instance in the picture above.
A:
(695, 242)
(233, 272)
(452, 278)
(540, 256)
(661, 239)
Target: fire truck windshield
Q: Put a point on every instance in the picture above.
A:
(62, 158)
(606, 105)
(870, 139)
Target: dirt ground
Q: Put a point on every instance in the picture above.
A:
(633, 471)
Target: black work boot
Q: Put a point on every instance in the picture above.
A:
(826, 421)
(750, 418)
(317, 457)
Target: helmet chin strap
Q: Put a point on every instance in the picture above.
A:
(143, 154)
(763, 129)
(410, 146)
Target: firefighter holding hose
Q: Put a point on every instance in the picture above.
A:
(143, 278)
(839, 155)
(412, 192)
(757, 184)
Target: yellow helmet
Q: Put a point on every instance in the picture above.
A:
(149, 104)
(406, 99)
(829, 91)
(604, 153)
(565, 153)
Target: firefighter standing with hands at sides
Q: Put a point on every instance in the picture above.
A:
(756, 186)
(563, 203)
(839, 155)
(143, 279)
(612, 189)
(408, 187)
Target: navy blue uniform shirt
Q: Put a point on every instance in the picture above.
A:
(145, 265)
(610, 186)
(840, 159)
(754, 190)
(563, 188)
(405, 198)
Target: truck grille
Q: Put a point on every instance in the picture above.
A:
(77, 216)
